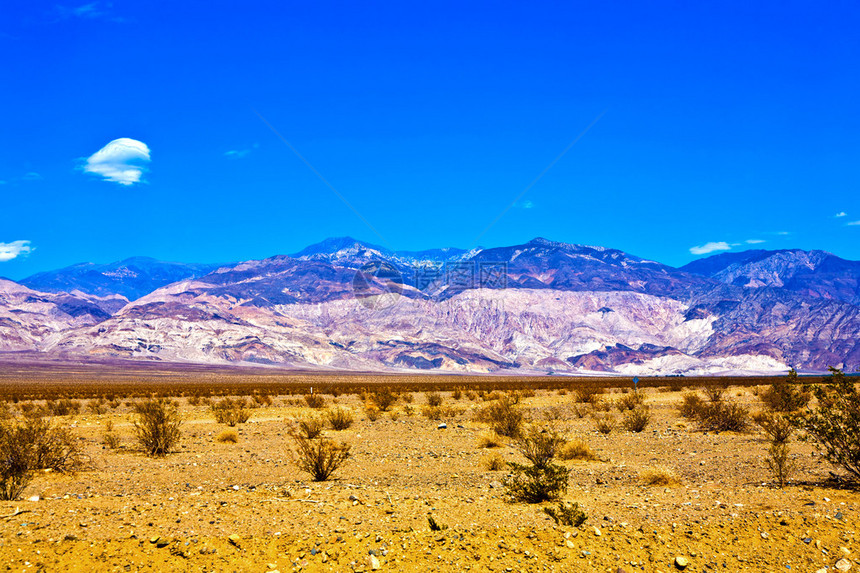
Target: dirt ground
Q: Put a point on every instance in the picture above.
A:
(129, 512)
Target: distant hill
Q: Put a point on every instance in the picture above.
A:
(131, 278)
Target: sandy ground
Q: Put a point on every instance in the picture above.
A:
(131, 513)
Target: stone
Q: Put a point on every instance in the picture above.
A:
(234, 539)
(681, 562)
(845, 551)
(569, 544)
(596, 531)
(373, 563)
(843, 565)
(442, 426)
(33, 498)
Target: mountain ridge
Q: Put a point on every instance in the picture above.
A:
(541, 306)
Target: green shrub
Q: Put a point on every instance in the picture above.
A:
(156, 426)
(542, 480)
(786, 394)
(835, 425)
(568, 514)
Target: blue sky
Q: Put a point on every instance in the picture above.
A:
(720, 123)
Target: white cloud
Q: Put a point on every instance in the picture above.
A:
(710, 248)
(9, 251)
(841, 214)
(31, 176)
(853, 223)
(122, 161)
(754, 241)
(240, 153)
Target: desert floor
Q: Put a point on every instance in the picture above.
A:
(129, 512)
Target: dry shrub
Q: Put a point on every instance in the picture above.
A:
(490, 440)
(630, 401)
(598, 404)
(503, 416)
(231, 412)
(724, 416)
(339, 418)
(637, 420)
(315, 401)
(527, 393)
(33, 444)
(457, 394)
(263, 399)
(580, 410)
(309, 427)
(576, 450)
(407, 397)
(493, 462)
(434, 399)
(319, 456)
(63, 407)
(96, 407)
(539, 446)
(691, 405)
(110, 439)
(156, 426)
(227, 437)
(383, 399)
(471, 395)
(715, 393)
(659, 476)
(372, 413)
(586, 394)
(604, 423)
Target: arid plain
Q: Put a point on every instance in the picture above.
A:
(215, 504)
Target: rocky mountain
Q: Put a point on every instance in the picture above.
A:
(816, 274)
(30, 319)
(131, 278)
(542, 306)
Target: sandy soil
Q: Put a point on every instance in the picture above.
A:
(131, 513)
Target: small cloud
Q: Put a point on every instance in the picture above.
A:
(31, 176)
(121, 161)
(710, 248)
(9, 251)
(525, 204)
(852, 223)
(240, 153)
(754, 241)
(783, 233)
(841, 214)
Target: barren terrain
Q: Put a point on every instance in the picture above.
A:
(128, 512)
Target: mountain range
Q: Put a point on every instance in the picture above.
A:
(539, 307)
